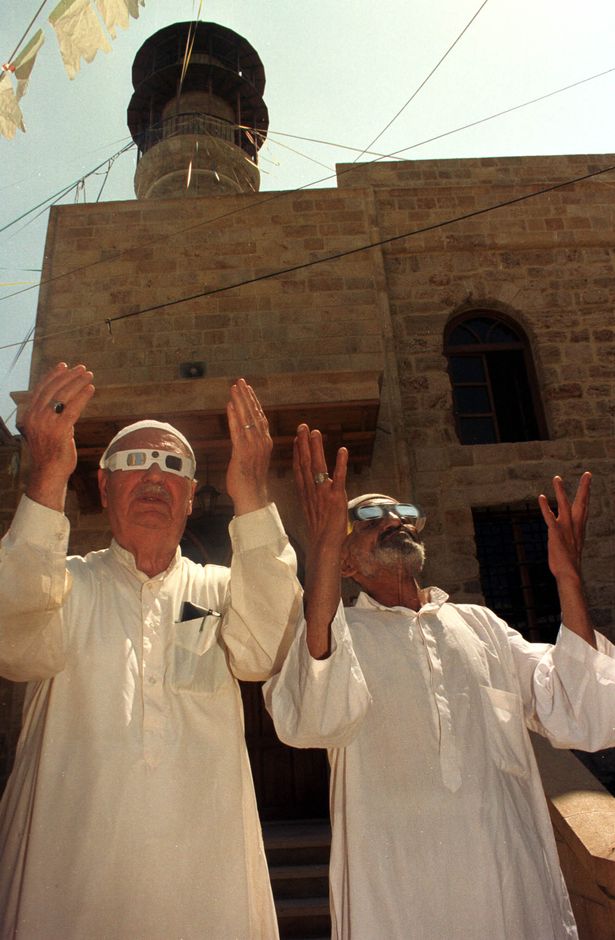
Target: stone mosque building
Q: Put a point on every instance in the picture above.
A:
(449, 321)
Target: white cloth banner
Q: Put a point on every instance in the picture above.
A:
(24, 62)
(79, 33)
(11, 118)
(113, 13)
(133, 7)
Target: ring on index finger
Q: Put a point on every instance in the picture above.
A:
(320, 478)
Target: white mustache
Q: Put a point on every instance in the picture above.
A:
(392, 531)
(153, 491)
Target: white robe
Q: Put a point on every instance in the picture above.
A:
(130, 812)
(440, 824)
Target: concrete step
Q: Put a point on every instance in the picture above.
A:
(298, 856)
(303, 918)
(300, 881)
(303, 842)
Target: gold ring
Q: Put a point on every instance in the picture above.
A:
(248, 426)
(320, 478)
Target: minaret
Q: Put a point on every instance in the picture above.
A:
(198, 128)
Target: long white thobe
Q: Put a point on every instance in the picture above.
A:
(440, 824)
(130, 812)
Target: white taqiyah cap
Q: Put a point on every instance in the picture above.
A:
(366, 497)
(147, 423)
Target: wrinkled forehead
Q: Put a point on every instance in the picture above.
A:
(150, 439)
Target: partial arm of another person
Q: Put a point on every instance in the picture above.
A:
(34, 581)
(573, 682)
(566, 537)
(320, 697)
(264, 603)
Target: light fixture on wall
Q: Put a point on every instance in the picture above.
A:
(192, 370)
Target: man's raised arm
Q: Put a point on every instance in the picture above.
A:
(246, 476)
(566, 533)
(49, 429)
(325, 507)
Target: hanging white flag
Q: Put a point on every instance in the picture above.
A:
(11, 118)
(79, 33)
(114, 13)
(24, 62)
(133, 7)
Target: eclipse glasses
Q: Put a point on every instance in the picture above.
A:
(407, 512)
(168, 462)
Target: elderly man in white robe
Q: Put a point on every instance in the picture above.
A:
(440, 824)
(131, 812)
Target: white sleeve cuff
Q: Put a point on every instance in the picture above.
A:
(255, 529)
(571, 644)
(39, 525)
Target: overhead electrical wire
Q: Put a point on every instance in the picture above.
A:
(28, 28)
(22, 346)
(108, 321)
(278, 143)
(455, 130)
(66, 189)
(424, 82)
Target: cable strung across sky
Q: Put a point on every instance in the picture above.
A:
(108, 321)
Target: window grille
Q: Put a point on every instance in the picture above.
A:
(511, 546)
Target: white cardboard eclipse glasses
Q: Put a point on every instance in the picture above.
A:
(143, 459)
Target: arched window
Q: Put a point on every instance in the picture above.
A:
(495, 397)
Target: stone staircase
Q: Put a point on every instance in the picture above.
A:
(298, 857)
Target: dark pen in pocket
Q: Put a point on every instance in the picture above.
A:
(192, 612)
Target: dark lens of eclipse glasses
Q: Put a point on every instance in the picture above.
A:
(407, 512)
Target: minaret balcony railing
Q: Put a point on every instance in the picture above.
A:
(194, 123)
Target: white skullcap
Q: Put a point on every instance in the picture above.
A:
(148, 423)
(363, 499)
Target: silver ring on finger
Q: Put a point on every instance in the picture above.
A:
(320, 478)
(58, 407)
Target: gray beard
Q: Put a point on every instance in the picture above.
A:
(404, 552)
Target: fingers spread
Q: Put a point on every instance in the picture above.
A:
(59, 397)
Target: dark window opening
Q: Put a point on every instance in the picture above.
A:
(495, 397)
(511, 546)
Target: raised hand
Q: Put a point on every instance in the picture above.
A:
(566, 536)
(246, 476)
(324, 503)
(323, 498)
(48, 427)
(567, 529)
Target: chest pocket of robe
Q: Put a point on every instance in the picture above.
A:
(198, 660)
(505, 727)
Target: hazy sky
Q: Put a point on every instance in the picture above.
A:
(337, 71)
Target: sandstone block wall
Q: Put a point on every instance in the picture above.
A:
(131, 255)
(547, 262)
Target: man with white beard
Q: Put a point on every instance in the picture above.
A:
(440, 824)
